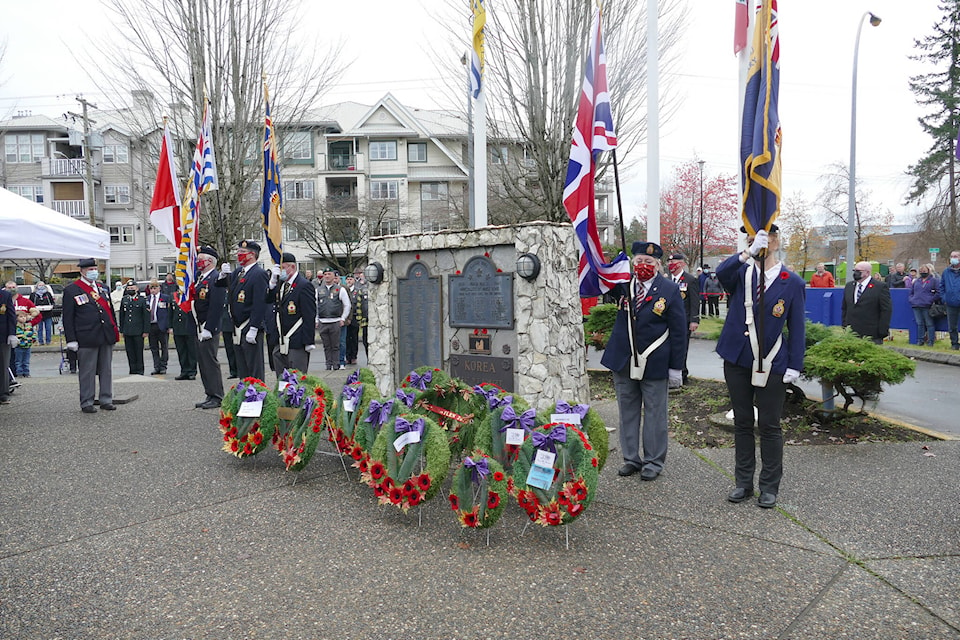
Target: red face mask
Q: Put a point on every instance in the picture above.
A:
(644, 271)
(675, 268)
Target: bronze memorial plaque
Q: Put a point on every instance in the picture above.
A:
(418, 320)
(474, 369)
(481, 297)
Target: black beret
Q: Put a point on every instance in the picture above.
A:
(287, 257)
(87, 262)
(210, 251)
(249, 245)
(648, 249)
(773, 229)
(678, 256)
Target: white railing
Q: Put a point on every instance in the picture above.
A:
(64, 167)
(72, 208)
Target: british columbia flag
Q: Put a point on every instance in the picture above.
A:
(593, 133)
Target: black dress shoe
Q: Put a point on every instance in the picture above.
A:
(90, 409)
(108, 407)
(212, 403)
(740, 494)
(627, 470)
(232, 376)
(185, 376)
(767, 500)
(649, 474)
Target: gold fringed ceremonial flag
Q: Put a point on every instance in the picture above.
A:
(272, 187)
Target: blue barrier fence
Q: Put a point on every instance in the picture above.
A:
(823, 306)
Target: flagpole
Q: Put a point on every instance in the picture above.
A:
(653, 126)
(480, 161)
(616, 183)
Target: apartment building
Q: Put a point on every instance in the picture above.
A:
(350, 171)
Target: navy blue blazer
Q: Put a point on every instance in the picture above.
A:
(783, 307)
(247, 296)
(662, 309)
(300, 301)
(208, 302)
(164, 303)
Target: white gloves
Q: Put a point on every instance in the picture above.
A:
(274, 275)
(73, 346)
(252, 335)
(205, 335)
(225, 270)
(309, 348)
(675, 378)
(759, 243)
(791, 376)
(13, 341)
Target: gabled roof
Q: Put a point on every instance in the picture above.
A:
(36, 123)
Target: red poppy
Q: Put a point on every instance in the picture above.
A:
(423, 482)
(562, 498)
(257, 438)
(378, 491)
(226, 438)
(234, 446)
(498, 476)
(377, 470)
(594, 462)
(784, 275)
(454, 502)
(493, 500)
(648, 299)
(575, 509)
(387, 483)
(408, 486)
(316, 427)
(356, 453)
(418, 256)
(469, 519)
(580, 492)
(363, 465)
(486, 254)
(458, 271)
(396, 496)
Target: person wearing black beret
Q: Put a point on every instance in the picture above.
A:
(247, 300)
(646, 351)
(295, 312)
(690, 292)
(205, 322)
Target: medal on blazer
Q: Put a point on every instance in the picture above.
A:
(779, 308)
(3, 310)
(241, 296)
(660, 306)
(291, 307)
(202, 293)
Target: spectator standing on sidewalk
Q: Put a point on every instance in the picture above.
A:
(924, 291)
(43, 298)
(713, 290)
(333, 309)
(950, 284)
(896, 279)
(28, 316)
(822, 278)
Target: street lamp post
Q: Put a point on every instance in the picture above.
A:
(852, 189)
(701, 162)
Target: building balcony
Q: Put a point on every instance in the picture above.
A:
(75, 208)
(67, 168)
(342, 162)
(342, 204)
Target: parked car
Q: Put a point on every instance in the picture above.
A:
(55, 289)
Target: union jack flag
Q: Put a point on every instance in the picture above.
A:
(203, 178)
(272, 187)
(593, 133)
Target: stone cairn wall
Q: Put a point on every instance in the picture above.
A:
(550, 358)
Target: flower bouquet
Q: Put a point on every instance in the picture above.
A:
(506, 426)
(302, 404)
(590, 423)
(409, 461)
(478, 491)
(555, 476)
(245, 435)
(448, 400)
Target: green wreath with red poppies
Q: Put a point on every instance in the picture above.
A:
(302, 406)
(590, 423)
(492, 430)
(247, 436)
(478, 491)
(448, 401)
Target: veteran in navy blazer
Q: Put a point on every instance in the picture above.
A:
(294, 318)
(247, 300)
(866, 306)
(204, 320)
(158, 304)
(652, 309)
(752, 332)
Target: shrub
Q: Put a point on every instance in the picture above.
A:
(599, 324)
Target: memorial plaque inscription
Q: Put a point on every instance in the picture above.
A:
(474, 369)
(481, 297)
(418, 320)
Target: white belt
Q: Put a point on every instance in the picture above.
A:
(638, 362)
(757, 378)
(238, 332)
(284, 338)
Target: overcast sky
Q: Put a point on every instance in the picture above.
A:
(386, 41)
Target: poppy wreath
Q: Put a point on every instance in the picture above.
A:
(302, 406)
(246, 436)
(574, 475)
(350, 405)
(590, 423)
(479, 491)
(506, 412)
(414, 473)
(447, 400)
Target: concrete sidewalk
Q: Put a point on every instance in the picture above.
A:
(134, 524)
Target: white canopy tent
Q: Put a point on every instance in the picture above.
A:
(30, 230)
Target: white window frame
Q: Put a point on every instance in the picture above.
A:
(159, 238)
(121, 233)
(115, 154)
(383, 149)
(298, 189)
(436, 225)
(384, 190)
(291, 233)
(31, 192)
(116, 194)
(389, 227)
(499, 154)
(23, 148)
(297, 145)
(434, 192)
(163, 268)
(413, 152)
(123, 273)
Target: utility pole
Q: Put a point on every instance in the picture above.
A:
(88, 157)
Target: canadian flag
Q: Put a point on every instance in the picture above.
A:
(741, 24)
(165, 205)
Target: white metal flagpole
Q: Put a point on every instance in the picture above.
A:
(653, 126)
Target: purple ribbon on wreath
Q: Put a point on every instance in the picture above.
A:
(550, 439)
(478, 470)
(354, 377)
(420, 381)
(581, 409)
(307, 409)
(252, 395)
(352, 392)
(511, 420)
(294, 395)
(288, 377)
(401, 425)
(379, 413)
(405, 397)
(505, 401)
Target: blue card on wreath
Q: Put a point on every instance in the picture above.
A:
(540, 477)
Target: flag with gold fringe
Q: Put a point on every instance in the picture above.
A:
(272, 187)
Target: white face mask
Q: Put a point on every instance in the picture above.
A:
(91, 275)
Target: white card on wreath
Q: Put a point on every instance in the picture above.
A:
(410, 437)
(569, 418)
(514, 436)
(545, 458)
(540, 477)
(250, 409)
(350, 405)
(282, 386)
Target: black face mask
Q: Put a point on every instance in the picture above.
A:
(858, 275)
(924, 274)
(131, 292)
